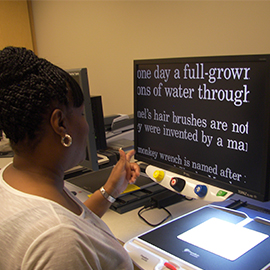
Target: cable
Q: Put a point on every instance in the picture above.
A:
(153, 205)
(160, 201)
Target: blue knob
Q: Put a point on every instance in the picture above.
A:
(200, 190)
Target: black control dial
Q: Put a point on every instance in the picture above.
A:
(177, 183)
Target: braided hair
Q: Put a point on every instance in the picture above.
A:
(30, 87)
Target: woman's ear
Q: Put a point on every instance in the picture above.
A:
(58, 122)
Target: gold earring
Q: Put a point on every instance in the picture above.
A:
(68, 138)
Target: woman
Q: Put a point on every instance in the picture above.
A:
(43, 226)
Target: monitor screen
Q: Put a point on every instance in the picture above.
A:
(91, 161)
(206, 118)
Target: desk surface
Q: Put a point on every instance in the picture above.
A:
(128, 225)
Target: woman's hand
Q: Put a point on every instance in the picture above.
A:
(123, 173)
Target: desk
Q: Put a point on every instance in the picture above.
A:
(128, 225)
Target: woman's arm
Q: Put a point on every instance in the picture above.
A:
(123, 173)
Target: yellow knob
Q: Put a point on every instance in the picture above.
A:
(158, 175)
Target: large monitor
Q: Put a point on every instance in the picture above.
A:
(91, 161)
(206, 118)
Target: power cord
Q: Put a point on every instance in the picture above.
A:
(147, 208)
(160, 201)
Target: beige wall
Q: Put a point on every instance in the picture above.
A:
(106, 36)
(15, 26)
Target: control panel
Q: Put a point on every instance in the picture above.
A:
(187, 186)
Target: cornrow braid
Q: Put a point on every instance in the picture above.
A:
(29, 85)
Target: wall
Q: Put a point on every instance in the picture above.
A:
(106, 36)
(15, 25)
